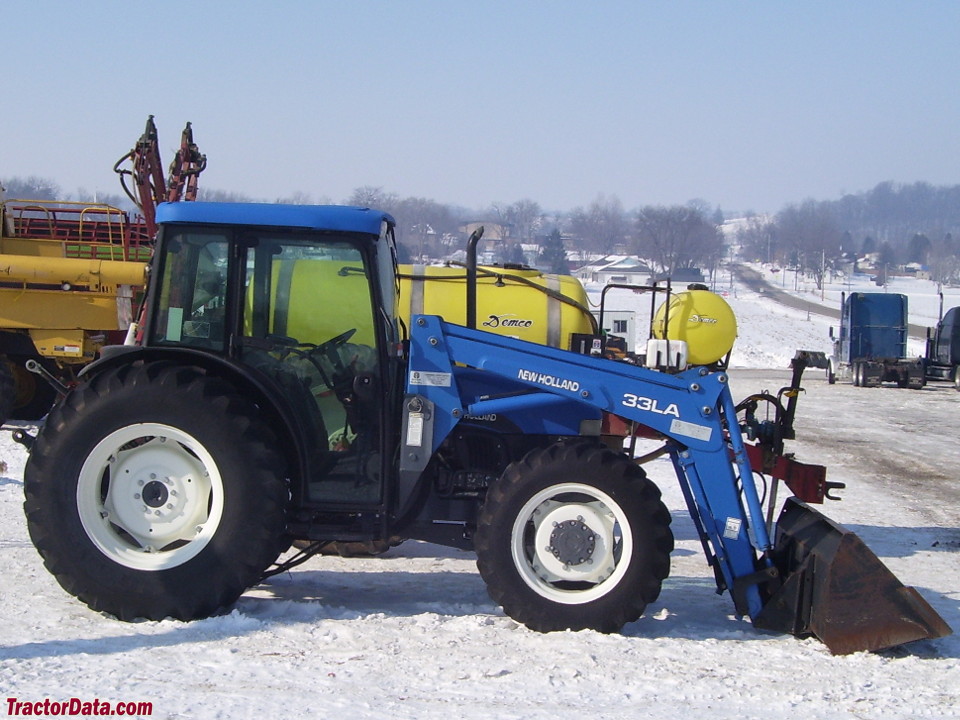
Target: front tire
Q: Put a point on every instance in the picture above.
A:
(155, 491)
(574, 536)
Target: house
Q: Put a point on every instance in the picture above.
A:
(614, 269)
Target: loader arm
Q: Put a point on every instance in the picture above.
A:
(694, 409)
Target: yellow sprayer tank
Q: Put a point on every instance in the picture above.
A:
(522, 303)
(700, 318)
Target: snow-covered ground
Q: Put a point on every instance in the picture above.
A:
(412, 634)
(924, 294)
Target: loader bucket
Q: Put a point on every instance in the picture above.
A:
(835, 588)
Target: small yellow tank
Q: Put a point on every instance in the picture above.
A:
(701, 319)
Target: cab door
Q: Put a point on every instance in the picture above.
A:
(309, 324)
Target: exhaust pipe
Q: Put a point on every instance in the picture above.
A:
(833, 587)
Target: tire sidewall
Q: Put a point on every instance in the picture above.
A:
(75, 559)
(624, 485)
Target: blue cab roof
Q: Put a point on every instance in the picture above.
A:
(313, 217)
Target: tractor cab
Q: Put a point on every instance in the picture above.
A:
(305, 313)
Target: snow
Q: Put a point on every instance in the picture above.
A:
(413, 634)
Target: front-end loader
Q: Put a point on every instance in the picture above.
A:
(277, 396)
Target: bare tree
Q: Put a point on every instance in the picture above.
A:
(31, 188)
(811, 236)
(945, 258)
(757, 238)
(423, 224)
(373, 197)
(212, 195)
(677, 237)
(524, 216)
(500, 220)
(602, 226)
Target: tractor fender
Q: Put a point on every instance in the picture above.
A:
(247, 381)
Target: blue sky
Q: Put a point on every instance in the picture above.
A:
(747, 105)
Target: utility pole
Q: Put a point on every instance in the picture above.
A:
(823, 272)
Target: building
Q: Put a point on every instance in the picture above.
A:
(614, 269)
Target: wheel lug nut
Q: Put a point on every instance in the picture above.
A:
(136, 496)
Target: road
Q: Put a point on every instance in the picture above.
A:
(756, 282)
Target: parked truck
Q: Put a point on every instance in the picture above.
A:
(942, 358)
(871, 345)
(256, 411)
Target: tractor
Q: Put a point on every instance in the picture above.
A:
(273, 396)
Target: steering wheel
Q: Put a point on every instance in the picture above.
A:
(287, 346)
(329, 350)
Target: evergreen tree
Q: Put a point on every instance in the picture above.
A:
(553, 256)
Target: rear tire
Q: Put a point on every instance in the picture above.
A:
(155, 491)
(956, 378)
(23, 395)
(6, 389)
(574, 536)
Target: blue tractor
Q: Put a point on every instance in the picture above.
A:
(272, 397)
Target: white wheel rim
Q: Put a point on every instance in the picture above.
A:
(587, 541)
(150, 496)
